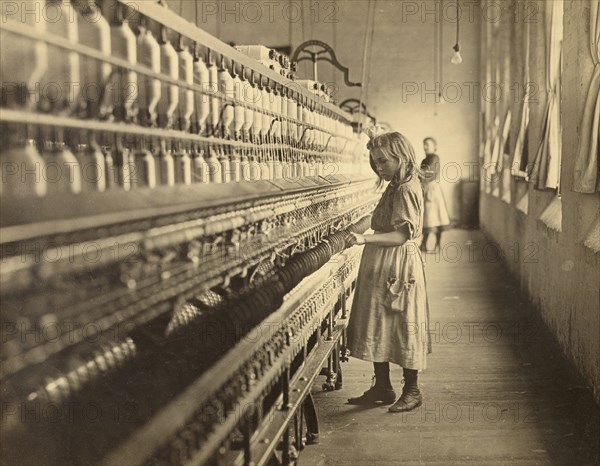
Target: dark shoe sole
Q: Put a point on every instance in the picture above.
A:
(405, 408)
(366, 400)
(370, 403)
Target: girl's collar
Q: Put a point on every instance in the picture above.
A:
(396, 181)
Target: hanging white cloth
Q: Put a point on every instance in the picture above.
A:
(498, 153)
(524, 116)
(504, 160)
(585, 174)
(545, 171)
(488, 114)
(490, 157)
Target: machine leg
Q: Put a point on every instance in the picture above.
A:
(330, 374)
(298, 429)
(344, 306)
(285, 388)
(312, 421)
(247, 448)
(285, 454)
(339, 382)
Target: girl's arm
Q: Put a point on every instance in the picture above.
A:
(393, 238)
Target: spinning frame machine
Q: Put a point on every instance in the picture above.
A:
(173, 277)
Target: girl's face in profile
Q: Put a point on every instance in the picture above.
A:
(387, 167)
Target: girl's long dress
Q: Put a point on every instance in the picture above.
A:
(375, 331)
(435, 216)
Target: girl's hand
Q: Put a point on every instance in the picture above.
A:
(349, 240)
(360, 239)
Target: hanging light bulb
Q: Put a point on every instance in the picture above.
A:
(456, 57)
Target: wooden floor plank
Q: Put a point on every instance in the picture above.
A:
(497, 390)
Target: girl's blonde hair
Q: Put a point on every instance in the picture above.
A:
(397, 146)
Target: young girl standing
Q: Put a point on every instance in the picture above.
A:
(435, 216)
(390, 316)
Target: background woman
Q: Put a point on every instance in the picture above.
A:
(390, 316)
(435, 217)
